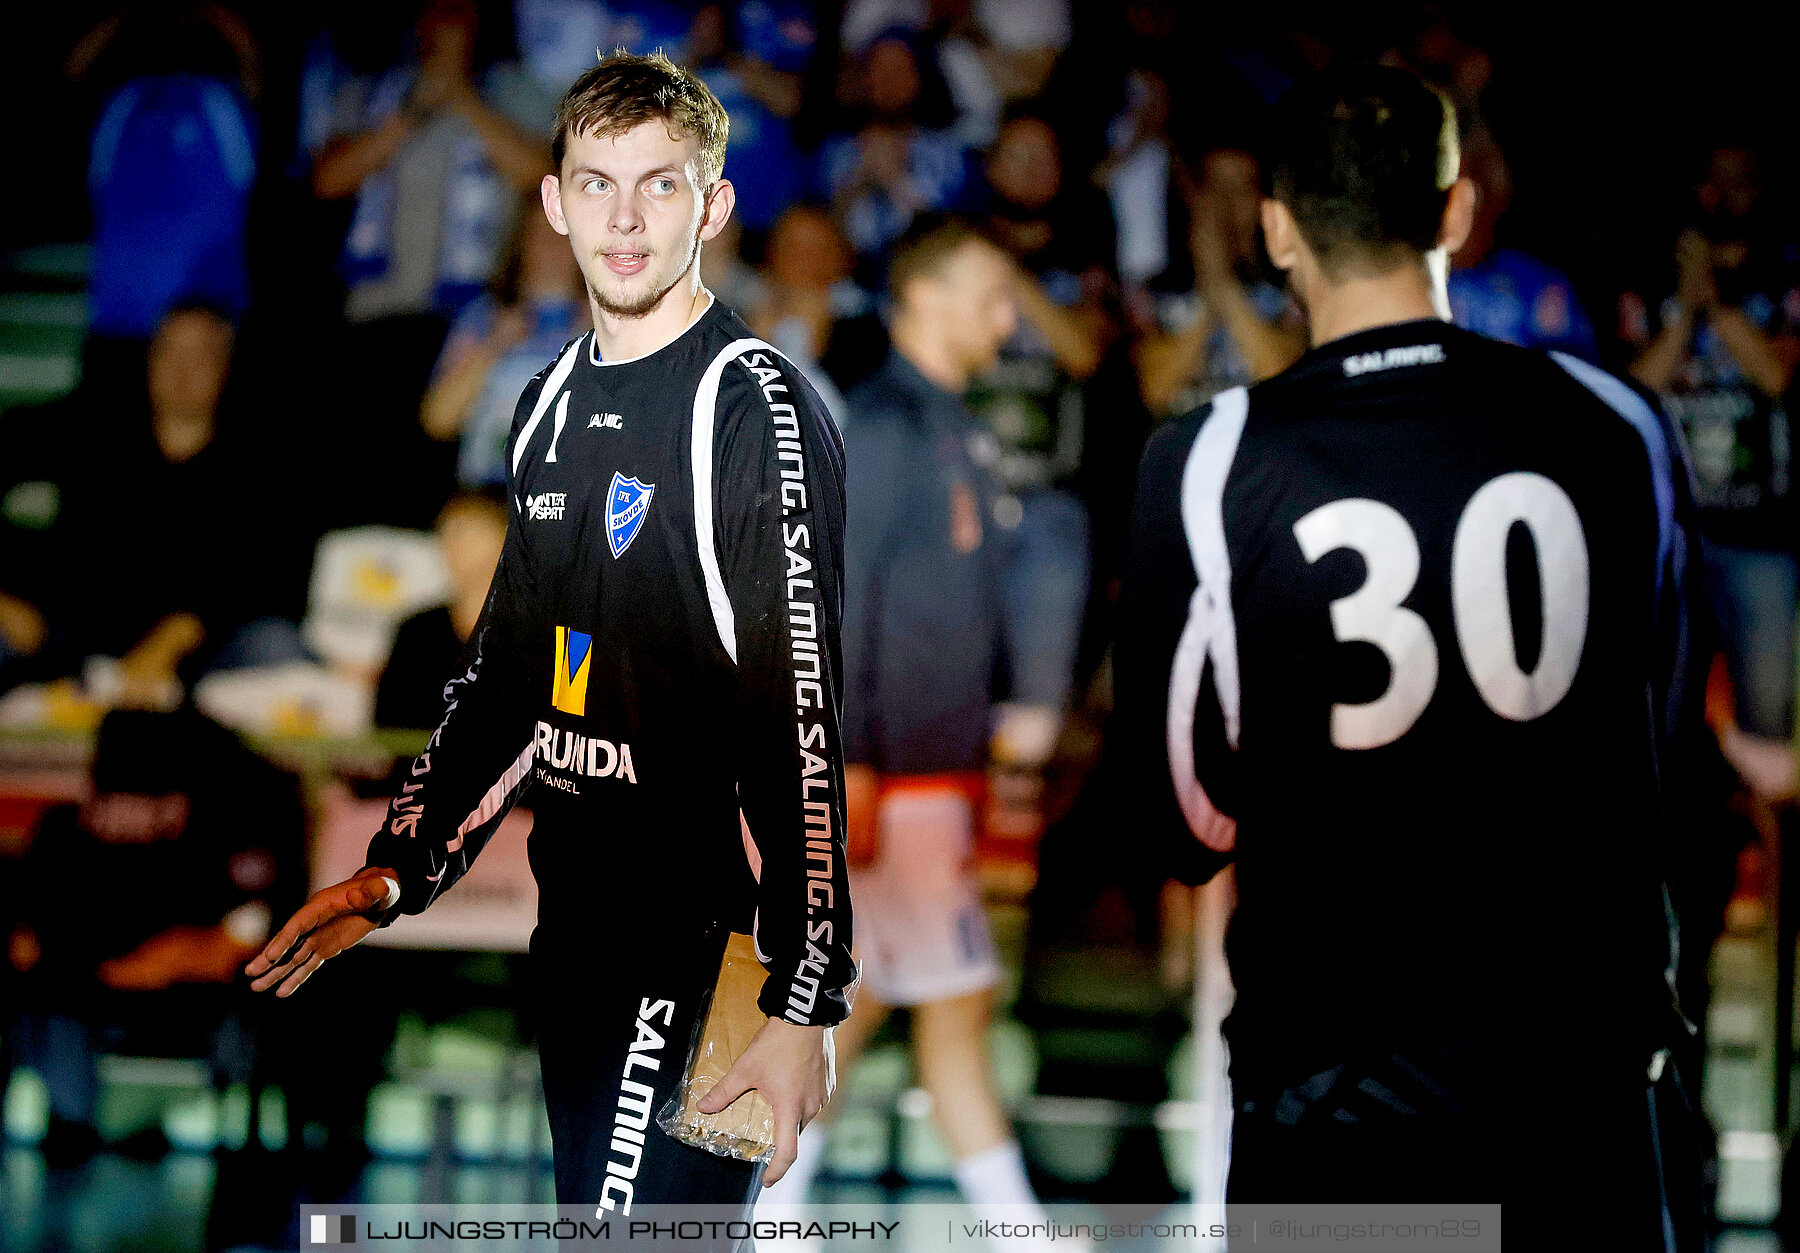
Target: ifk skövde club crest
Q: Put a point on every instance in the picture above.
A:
(627, 501)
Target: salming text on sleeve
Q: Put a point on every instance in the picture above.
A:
(780, 512)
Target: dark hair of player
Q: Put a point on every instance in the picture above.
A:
(624, 91)
(925, 245)
(1364, 158)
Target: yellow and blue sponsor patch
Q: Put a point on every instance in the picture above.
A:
(574, 658)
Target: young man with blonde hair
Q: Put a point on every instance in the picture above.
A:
(659, 654)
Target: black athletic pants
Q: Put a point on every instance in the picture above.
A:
(1575, 1160)
(614, 1029)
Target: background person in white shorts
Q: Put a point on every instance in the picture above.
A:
(921, 634)
(924, 939)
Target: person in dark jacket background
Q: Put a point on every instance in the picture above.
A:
(922, 643)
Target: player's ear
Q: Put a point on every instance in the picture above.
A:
(1281, 234)
(551, 191)
(720, 201)
(1459, 216)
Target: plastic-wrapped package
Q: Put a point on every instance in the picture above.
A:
(745, 1129)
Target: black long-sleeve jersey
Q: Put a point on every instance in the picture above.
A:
(658, 659)
(1404, 632)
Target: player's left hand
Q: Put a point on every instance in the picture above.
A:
(795, 1069)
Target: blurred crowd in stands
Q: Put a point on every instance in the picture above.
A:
(319, 278)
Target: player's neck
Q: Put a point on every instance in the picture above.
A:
(1363, 304)
(623, 339)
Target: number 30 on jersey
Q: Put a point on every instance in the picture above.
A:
(1373, 613)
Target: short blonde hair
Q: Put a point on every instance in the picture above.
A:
(624, 91)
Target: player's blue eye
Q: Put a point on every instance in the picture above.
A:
(595, 185)
(664, 185)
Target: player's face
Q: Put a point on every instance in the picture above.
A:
(634, 213)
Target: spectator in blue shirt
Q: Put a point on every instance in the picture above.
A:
(170, 168)
(1238, 324)
(1502, 292)
(752, 55)
(434, 152)
(170, 172)
(895, 166)
(429, 150)
(1719, 344)
(560, 38)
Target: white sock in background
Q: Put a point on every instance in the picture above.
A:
(808, 1156)
(997, 1176)
(996, 1187)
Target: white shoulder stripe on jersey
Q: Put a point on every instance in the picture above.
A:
(706, 401)
(552, 385)
(1211, 631)
(1632, 407)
